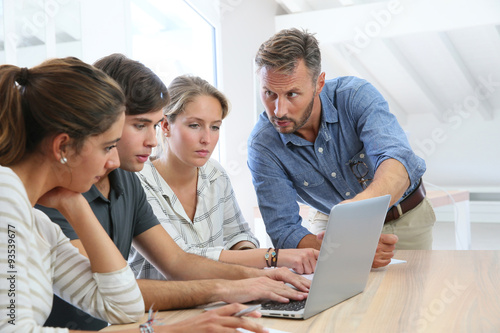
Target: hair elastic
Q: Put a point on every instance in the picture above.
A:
(23, 77)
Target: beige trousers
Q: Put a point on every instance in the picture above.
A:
(414, 228)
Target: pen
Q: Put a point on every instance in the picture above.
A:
(247, 310)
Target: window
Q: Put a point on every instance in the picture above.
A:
(33, 30)
(171, 38)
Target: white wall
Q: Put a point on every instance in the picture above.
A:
(244, 26)
(105, 28)
(459, 154)
(462, 154)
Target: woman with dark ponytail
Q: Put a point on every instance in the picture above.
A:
(59, 123)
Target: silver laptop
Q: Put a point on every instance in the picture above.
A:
(344, 261)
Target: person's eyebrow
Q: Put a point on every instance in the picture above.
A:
(202, 120)
(292, 89)
(143, 120)
(111, 142)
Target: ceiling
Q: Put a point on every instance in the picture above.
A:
(440, 57)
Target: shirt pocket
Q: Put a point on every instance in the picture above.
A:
(357, 165)
(307, 180)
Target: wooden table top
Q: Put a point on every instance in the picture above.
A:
(435, 291)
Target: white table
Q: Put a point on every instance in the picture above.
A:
(459, 198)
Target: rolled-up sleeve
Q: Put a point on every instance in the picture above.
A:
(381, 133)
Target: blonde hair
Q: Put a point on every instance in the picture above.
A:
(185, 88)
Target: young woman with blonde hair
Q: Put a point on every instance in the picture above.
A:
(191, 194)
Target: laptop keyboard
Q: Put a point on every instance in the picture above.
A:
(291, 306)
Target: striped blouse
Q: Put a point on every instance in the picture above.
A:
(36, 259)
(218, 223)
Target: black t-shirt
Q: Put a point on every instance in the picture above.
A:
(125, 215)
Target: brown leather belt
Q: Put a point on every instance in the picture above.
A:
(410, 202)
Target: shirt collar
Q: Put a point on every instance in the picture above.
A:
(152, 178)
(207, 174)
(329, 113)
(114, 183)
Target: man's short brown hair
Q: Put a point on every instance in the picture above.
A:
(285, 49)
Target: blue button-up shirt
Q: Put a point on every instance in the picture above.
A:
(356, 126)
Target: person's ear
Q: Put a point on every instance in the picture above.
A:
(165, 126)
(60, 147)
(320, 83)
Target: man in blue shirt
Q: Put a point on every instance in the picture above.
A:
(327, 142)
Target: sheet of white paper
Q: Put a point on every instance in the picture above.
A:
(215, 306)
(308, 276)
(396, 261)
(271, 330)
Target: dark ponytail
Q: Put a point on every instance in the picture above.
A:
(59, 96)
(12, 125)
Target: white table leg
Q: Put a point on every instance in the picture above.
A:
(462, 225)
